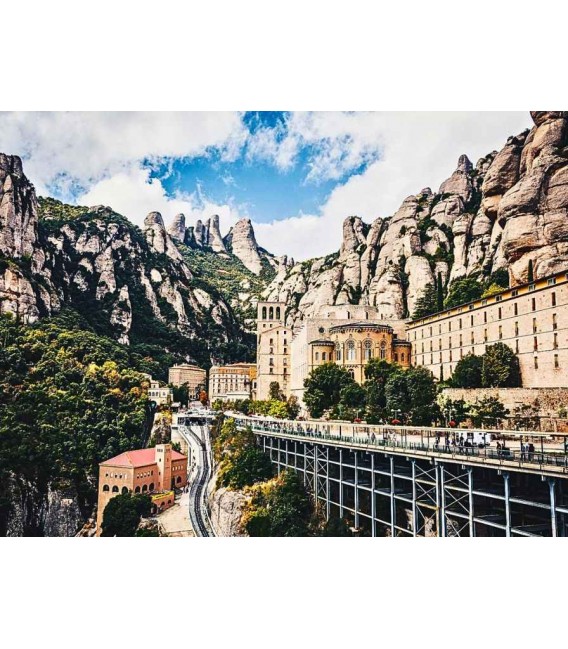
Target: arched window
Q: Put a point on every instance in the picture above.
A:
(106, 487)
(351, 353)
(151, 486)
(115, 489)
(277, 313)
(352, 373)
(383, 352)
(144, 488)
(264, 313)
(368, 349)
(271, 313)
(317, 356)
(324, 356)
(178, 479)
(137, 490)
(124, 490)
(338, 352)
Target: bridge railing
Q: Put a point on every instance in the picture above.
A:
(550, 458)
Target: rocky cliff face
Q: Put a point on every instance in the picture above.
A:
(98, 262)
(508, 209)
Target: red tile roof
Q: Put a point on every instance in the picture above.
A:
(140, 457)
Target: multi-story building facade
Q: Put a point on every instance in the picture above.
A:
(349, 335)
(230, 382)
(195, 377)
(532, 319)
(155, 471)
(160, 395)
(273, 349)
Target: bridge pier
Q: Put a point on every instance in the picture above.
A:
(470, 501)
(553, 524)
(507, 504)
(392, 504)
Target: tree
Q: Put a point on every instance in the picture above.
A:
(427, 303)
(245, 468)
(278, 409)
(526, 417)
(492, 289)
(413, 392)
(530, 272)
(123, 513)
(181, 393)
(323, 387)
(500, 367)
(274, 391)
(336, 527)
(377, 373)
(353, 396)
(487, 412)
(279, 507)
(293, 407)
(439, 293)
(462, 291)
(468, 372)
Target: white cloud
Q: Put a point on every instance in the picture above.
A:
(89, 146)
(404, 152)
(416, 150)
(133, 193)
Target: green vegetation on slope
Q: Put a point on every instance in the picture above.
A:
(69, 400)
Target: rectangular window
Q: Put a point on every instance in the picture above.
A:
(514, 292)
(439, 329)
(535, 344)
(472, 338)
(553, 298)
(500, 332)
(439, 343)
(430, 330)
(450, 342)
(485, 317)
(516, 328)
(499, 314)
(554, 322)
(534, 325)
(516, 309)
(532, 287)
(517, 346)
(533, 304)
(450, 325)
(460, 323)
(461, 342)
(485, 335)
(551, 281)
(450, 355)
(471, 321)
(536, 362)
(555, 342)
(556, 363)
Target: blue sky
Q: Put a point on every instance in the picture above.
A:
(296, 175)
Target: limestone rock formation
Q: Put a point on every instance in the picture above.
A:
(176, 229)
(508, 209)
(214, 239)
(243, 245)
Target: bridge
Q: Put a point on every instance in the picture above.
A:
(408, 481)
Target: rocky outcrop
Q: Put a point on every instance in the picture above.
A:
(214, 239)
(508, 209)
(242, 244)
(102, 265)
(226, 507)
(176, 229)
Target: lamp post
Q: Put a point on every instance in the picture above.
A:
(396, 413)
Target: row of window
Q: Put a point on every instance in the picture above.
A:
(484, 314)
(422, 359)
(271, 312)
(144, 489)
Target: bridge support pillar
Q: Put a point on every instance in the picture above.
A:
(443, 526)
(470, 503)
(327, 495)
(356, 491)
(553, 524)
(507, 504)
(340, 483)
(392, 502)
(373, 497)
(414, 506)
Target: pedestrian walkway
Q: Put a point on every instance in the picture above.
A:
(175, 520)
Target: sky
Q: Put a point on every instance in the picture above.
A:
(296, 175)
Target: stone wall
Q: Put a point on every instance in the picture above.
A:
(548, 401)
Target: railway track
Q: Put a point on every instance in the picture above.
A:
(197, 507)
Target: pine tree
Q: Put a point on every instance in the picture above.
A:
(440, 293)
(427, 303)
(530, 274)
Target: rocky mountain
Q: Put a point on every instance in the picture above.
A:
(131, 284)
(239, 242)
(508, 212)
